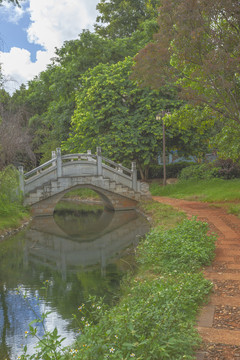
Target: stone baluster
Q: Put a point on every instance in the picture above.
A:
(53, 157)
(134, 176)
(89, 157)
(59, 163)
(21, 179)
(119, 169)
(99, 161)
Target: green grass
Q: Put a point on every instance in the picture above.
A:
(13, 220)
(214, 190)
(161, 214)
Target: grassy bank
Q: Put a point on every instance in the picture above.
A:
(225, 193)
(12, 212)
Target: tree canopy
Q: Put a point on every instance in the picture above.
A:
(114, 113)
(121, 18)
(88, 81)
(50, 97)
(198, 45)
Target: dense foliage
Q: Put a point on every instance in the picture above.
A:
(199, 172)
(123, 18)
(11, 208)
(173, 170)
(194, 55)
(114, 113)
(197, 46)
(49, 99)
(186, 248)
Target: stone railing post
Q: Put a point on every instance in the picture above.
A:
(134, 176)
(53, 157)
(59, 163)
(89, 157)
(21, 179)
(99, 161)
(119, 169)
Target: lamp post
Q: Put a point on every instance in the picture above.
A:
(159, 117)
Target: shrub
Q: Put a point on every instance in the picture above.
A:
(184, 248)
(172, 170)
(10, 197)
(199, 172)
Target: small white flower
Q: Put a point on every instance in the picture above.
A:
(87, 324)
(112, 350)
(116, 336)
(98, 307)
(132, 355)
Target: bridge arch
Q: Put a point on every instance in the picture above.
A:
(117, 185)
(110, 200)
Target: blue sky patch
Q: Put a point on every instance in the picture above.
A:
(15, 35)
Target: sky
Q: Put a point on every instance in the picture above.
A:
(30, 34)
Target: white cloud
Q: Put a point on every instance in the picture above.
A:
(52, 22)
(18, 67)
(12, 13)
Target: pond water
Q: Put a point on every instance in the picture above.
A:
(81, 251)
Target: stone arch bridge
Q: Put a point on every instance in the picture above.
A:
(117, 185)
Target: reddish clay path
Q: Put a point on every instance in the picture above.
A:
(219, 321)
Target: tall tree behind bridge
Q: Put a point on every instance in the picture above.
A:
(121, 18)
(198, 46)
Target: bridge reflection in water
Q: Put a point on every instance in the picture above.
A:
(68, 250)
(67, 246)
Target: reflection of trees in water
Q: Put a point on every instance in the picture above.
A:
(4, 348)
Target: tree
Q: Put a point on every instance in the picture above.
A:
(114, 113)
(50, 97)
(121, 18)
(194, 127)
(197, 45)
(15, 141)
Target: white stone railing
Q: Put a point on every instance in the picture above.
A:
(101, 165)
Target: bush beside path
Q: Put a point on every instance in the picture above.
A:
(219, 321)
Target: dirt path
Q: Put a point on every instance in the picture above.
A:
(219, 322)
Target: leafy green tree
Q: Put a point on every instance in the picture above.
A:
(194, 127)
(50, 97)
(114, 113)
(198, 45)
(121, 18)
